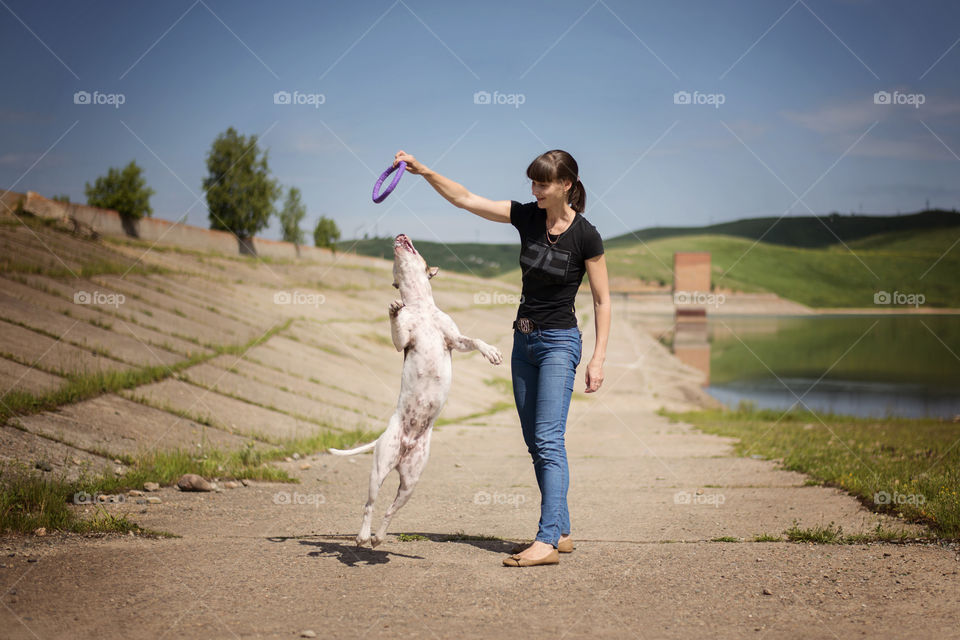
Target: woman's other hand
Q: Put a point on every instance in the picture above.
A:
(594, 376)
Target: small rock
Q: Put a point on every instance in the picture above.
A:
(134, 493)
(33, 559)
(245, 482)
(151, 486)
(193, 482)
(40, 531)
(117, 461)
(75, 461)
(309, 633)
(143, 500)
(288, 459)
(118, 471)
(44, 465)
(767, 592)
(296, 456)
(154, 500)
(304, 466)
(231, 484)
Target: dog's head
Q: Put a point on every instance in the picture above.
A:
(411, 275)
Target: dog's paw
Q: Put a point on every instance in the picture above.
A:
(375, 541)
(395, 307)
(492, 354)
(362, 540)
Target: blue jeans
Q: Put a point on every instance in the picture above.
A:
(544, 365)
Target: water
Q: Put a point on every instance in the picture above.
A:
(875, 366)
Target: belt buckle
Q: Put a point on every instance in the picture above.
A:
(525, 325)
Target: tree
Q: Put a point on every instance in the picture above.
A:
(64, 198)
(290, 216)
(125, 191)
(240, 192)
(326, 233)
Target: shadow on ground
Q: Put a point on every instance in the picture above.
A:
(349, 554)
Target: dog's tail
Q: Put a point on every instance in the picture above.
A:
(350, 452)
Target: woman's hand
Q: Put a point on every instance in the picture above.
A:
(594, 376)
(413, 166)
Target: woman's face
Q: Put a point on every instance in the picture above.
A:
(550, 193)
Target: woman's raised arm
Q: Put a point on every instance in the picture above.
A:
(456, 193)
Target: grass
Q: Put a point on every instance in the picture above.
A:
(903, 467)
(410, 537)
(496, 408)
(503, 385)
(766, 537)
(31, 499)
(83, 386)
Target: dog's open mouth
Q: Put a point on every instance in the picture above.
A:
(403, 241)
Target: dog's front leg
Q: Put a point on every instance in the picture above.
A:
(460, 342)
(399, 327)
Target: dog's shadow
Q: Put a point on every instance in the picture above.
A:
(351, 555)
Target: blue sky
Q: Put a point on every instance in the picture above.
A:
(798, 129)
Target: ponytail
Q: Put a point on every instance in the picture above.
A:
(578, 197)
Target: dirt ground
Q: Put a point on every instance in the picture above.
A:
(647, 498)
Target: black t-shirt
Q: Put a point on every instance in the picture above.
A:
(552, 273)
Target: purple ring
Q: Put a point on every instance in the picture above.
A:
(393, 184)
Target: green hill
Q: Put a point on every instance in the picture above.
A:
(918, 259)
(802, 231)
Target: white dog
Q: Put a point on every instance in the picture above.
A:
(426, 335)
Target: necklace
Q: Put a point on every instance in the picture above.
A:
(553, 242)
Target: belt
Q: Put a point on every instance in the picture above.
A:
(524, 325)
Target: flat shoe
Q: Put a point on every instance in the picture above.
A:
(564, 546)
(516, 561)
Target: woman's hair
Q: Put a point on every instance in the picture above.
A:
(556, 165)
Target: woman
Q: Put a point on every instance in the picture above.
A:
(557, 246)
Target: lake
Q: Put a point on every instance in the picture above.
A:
(867, 365)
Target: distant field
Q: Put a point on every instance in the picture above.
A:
(920, 260)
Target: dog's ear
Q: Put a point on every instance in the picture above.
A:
(432, 271)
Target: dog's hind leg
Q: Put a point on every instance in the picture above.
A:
(410, 467)
(385, 456)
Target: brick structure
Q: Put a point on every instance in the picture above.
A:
(691, 276)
